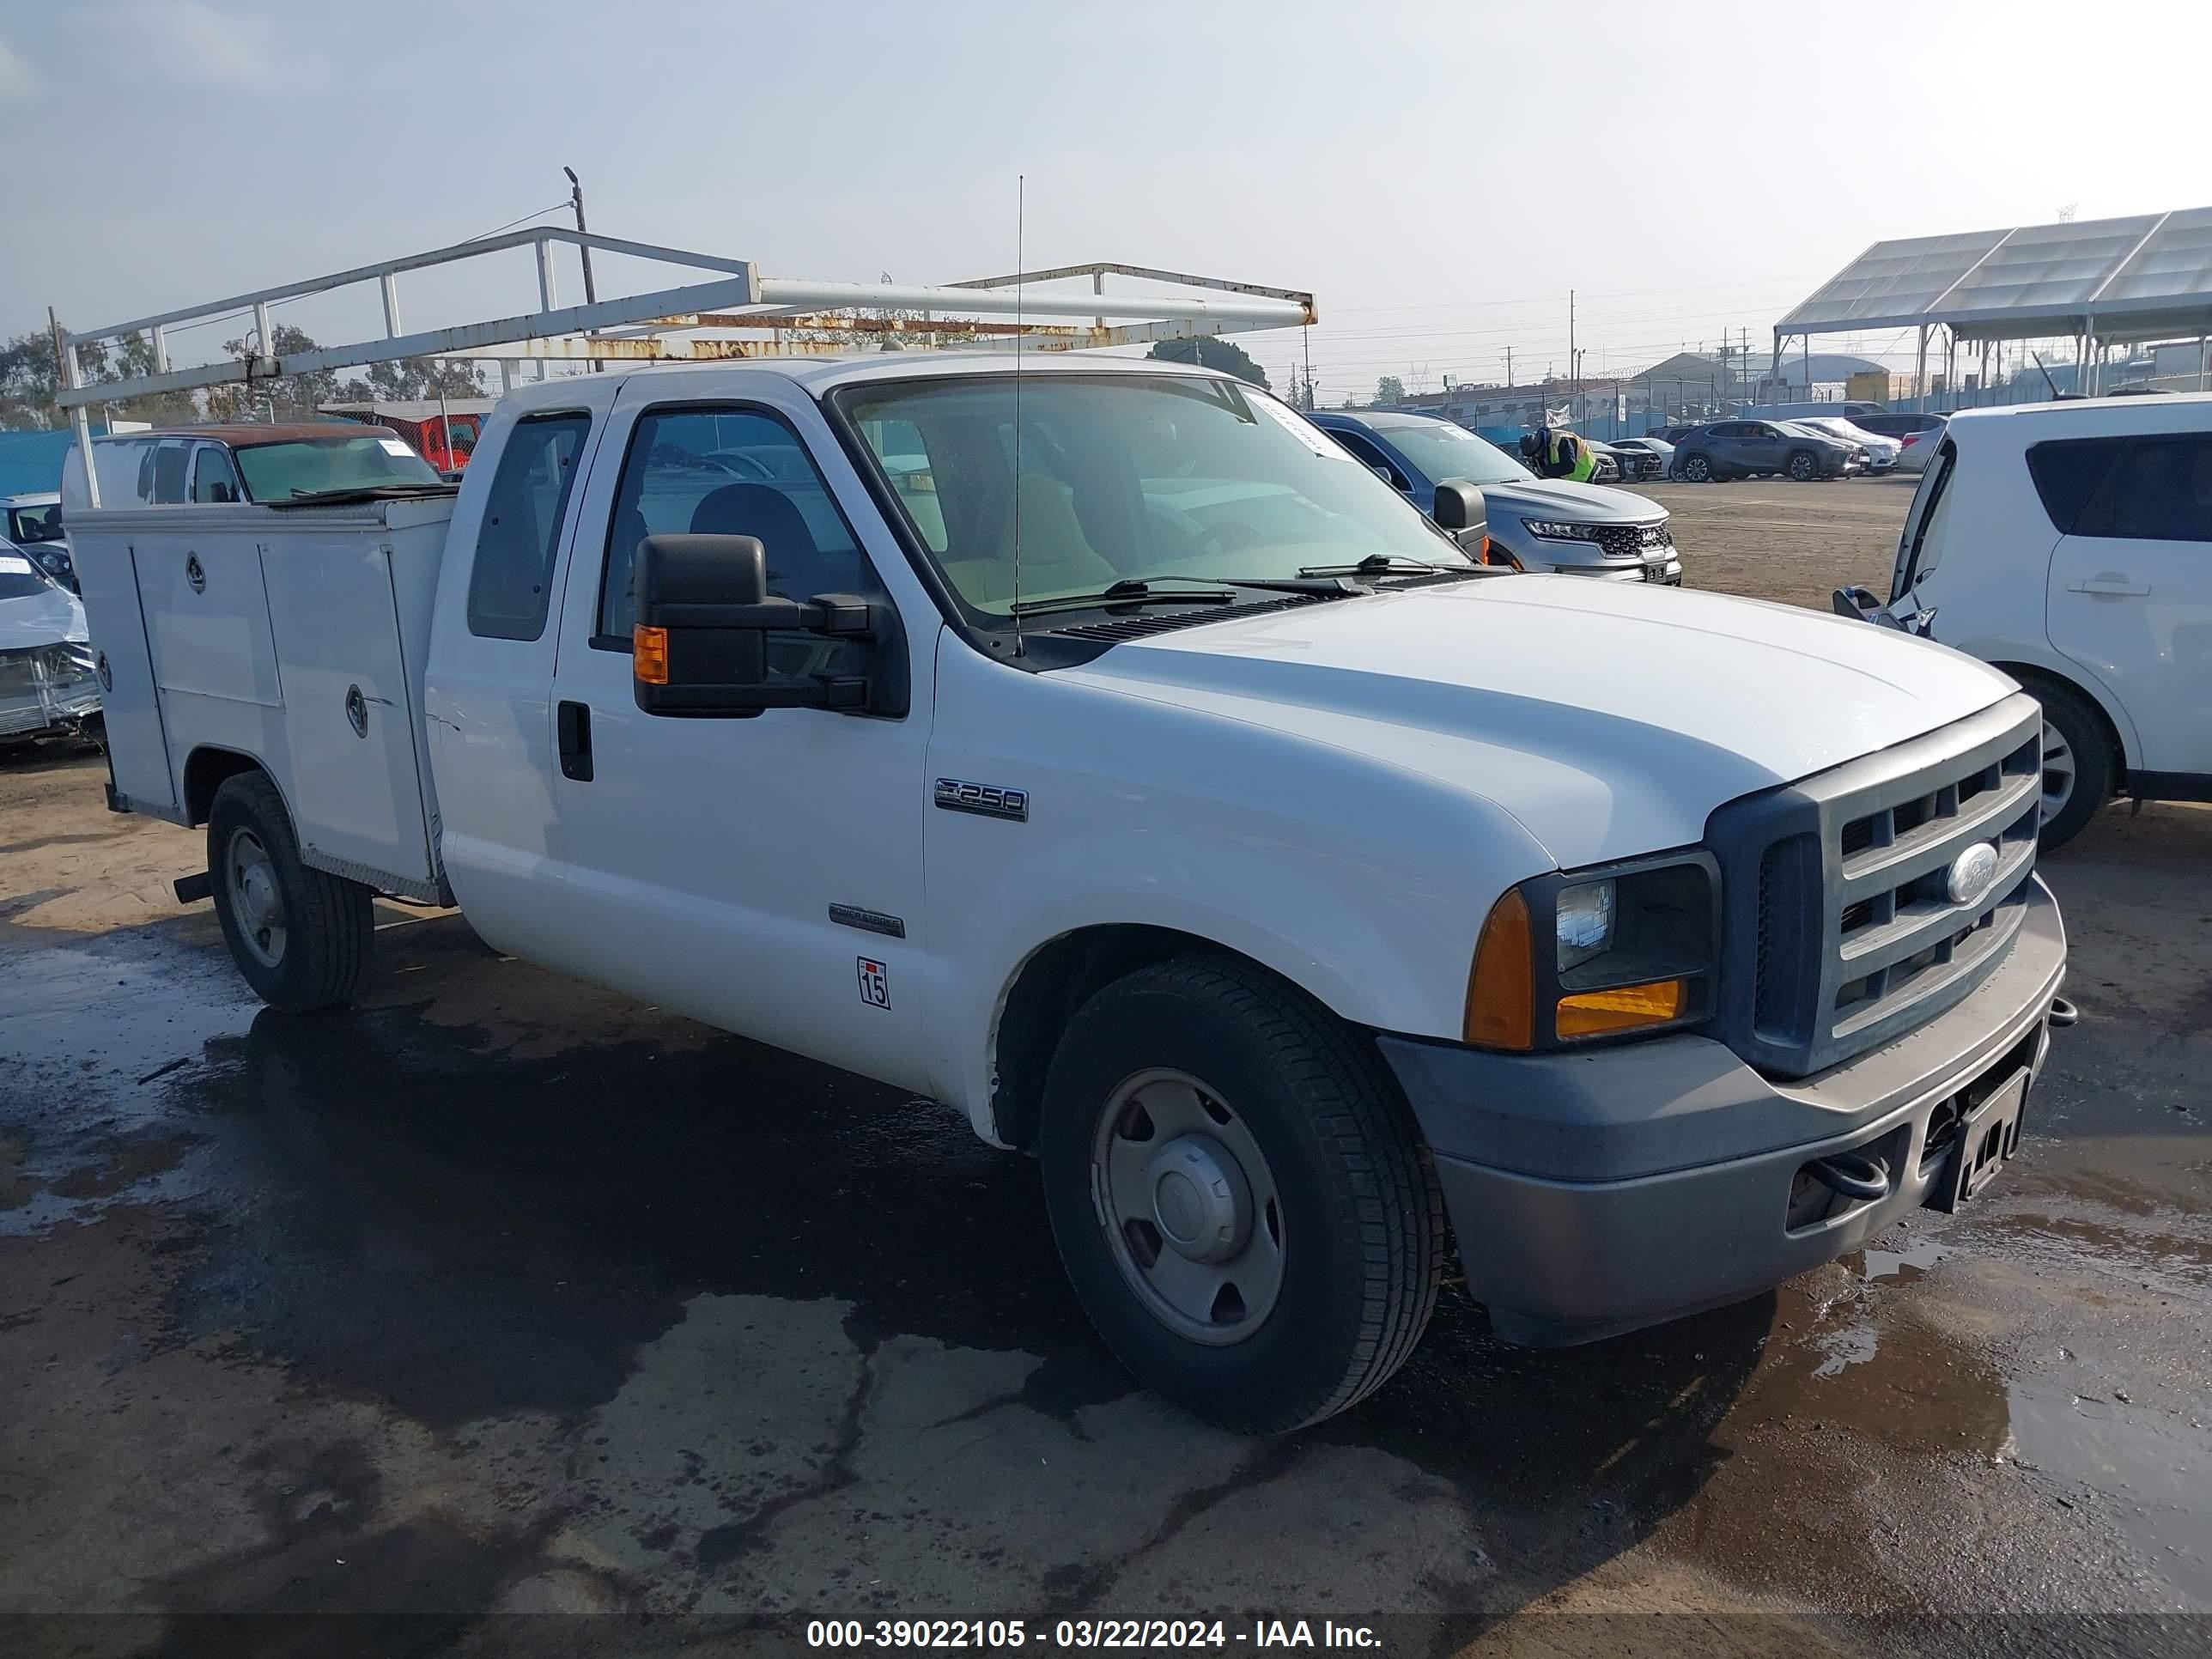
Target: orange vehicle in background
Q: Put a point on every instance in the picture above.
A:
(443, 432)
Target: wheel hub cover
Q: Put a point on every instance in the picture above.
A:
(1201, 1200)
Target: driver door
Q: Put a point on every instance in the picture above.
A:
(764, 873)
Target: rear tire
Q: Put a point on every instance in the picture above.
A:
(300, 936)
(2077, 762)
(1327, 1230)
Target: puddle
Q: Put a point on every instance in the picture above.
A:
(1906, 1263)
(2152, 1470)
(1854, 1345)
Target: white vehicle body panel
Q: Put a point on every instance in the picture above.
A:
(2126, 620)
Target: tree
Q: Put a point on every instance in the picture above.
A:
(1208, 352)
(1389, 390)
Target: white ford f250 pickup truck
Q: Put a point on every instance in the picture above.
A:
(1294, 887)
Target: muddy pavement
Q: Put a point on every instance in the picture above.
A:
(502, 1294)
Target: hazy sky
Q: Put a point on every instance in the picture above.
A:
(1439, 175)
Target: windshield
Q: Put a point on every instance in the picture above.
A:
(1452, 452)
(22, 580)
(1125, 478)
(27, 525)
(322, 466)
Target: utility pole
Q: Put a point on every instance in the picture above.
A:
(591, 289)
(1574, 364)
(1509, 368)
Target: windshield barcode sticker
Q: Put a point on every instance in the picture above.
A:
(393, 446)
(12, 566)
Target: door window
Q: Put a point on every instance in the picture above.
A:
(214, 477)
(1371, 456)
(2159, 490)
(510, 585)
(735, 472)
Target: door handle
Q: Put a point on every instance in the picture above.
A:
(572, 725)
(2119, 584)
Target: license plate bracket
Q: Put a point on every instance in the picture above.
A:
(1988, 1136)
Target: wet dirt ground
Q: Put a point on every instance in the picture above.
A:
(504, 1296)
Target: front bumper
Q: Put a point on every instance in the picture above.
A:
(1597, 1193)
(47, 706)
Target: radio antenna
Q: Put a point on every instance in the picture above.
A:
(1021, 204)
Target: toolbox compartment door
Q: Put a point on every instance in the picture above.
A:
(349, 715)
(137, 747)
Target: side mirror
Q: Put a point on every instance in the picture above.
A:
(1459, 509)
(700, 645)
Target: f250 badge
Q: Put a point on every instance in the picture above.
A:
(984, 799)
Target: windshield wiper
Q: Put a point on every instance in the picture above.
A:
(1375, 564)
(1120, 593)
(364, 493)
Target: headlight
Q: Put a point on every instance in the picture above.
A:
(1582, 923)
(1548, 530)
(1596, 953)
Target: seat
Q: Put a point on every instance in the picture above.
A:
(1057, 557)
(796, 568)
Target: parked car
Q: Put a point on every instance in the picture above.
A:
(1881, 452)
(1801, 411)
(1754, 449)
(1916, 436)
(212, 465)
(33, 524)
(1535, 523)
(48, 687)
(1605, 462)
(1645, 457)
(1287, 881)
(2070, 545)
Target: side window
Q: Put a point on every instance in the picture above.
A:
(732, 472)
(510, 585)
(1371, 456)
(214, 477)
(2159, 490)
(2067, 473)
(169, 460)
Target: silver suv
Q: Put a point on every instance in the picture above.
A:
(1535, 523)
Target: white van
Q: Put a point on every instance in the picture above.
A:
(2070, 545)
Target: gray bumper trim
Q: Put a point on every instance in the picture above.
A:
(1593, 1193)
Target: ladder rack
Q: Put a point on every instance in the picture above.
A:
(731, 312)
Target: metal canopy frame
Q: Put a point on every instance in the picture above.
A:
(2098, 281)
(663, 325)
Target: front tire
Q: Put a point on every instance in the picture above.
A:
(1239, 1193)
(1698, 468)
(302, 937)
(1803, 466)
(2077, 763)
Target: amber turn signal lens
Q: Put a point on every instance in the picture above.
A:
(1501, 987)
(649, 655)
(1626, 1008)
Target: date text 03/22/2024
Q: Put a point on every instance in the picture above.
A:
(1111, 1633)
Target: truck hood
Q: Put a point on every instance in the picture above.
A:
(1577, 503)
(1608, 719)
(48, 618)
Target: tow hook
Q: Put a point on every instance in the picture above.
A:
(1852, 1174)
(2064, 1013)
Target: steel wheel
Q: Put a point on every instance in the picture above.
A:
(1190, 1206)
(2060, 772)
(255, 898)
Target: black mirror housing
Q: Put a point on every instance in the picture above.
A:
(700, 646)
(1459, 508)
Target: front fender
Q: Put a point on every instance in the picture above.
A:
(1361, 883)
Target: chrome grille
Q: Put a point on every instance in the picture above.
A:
(1632, 541)
(1847, 934)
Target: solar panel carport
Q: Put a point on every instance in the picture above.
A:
(2098, 281)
